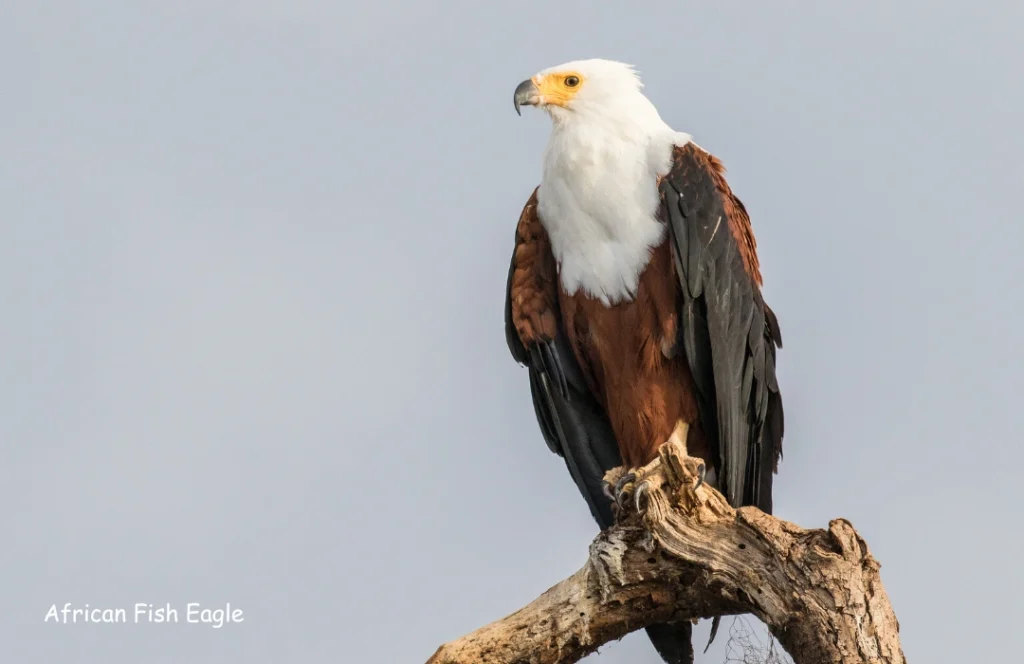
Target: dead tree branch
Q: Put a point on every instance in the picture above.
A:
(687, 555)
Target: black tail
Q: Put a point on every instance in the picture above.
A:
(673, 642)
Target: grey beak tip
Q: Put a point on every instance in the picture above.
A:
(525, 93)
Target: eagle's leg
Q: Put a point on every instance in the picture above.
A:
(679, 438)
(679, 434)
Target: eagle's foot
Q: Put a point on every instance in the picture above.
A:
(625, 485)
(630, 487)
(642, 487)
(678, 438)
(620, 492)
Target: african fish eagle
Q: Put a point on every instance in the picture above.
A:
(634, 298)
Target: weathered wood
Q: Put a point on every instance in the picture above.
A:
(688, 554)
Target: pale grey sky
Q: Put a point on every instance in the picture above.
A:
(252, 269)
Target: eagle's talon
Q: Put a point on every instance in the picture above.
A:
(621, 502)
(620, 486)
(622, 490)
(640, 492)
(701, 472)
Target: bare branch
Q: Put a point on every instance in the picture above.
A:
(690, 555)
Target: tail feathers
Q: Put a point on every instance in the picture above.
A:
(673, 642)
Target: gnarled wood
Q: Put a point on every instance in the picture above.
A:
(689, 555)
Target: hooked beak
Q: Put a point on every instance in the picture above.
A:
(527, 94)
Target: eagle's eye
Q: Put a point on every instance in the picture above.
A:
(572, 81)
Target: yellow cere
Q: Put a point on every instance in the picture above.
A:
(558, 89)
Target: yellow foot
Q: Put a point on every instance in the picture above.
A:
(679, 434)
(678, 438)
(623, 483)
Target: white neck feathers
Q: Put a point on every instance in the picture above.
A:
(598, 197)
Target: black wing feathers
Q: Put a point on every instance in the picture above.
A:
(571, 421)
(728, 333)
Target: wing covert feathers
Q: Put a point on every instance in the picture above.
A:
(533, 280)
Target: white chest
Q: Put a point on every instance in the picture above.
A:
(598, 201)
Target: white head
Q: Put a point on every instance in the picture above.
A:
(587, 91)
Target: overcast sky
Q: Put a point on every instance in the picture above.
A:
(252, 269)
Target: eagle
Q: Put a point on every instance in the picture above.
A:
(634, 300)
